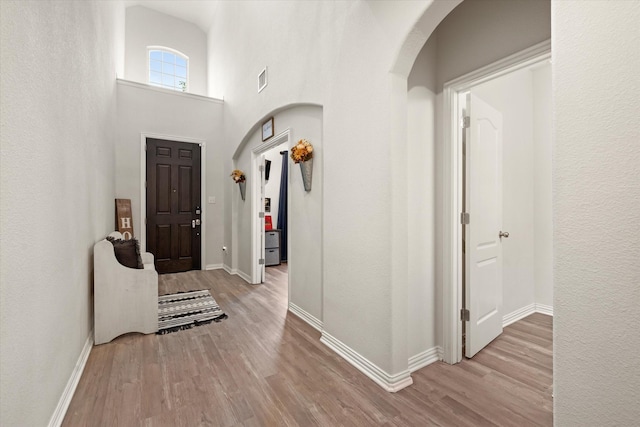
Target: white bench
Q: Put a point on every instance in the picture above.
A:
(125, 299)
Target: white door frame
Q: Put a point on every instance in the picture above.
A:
(143, 189)
(281, 138)
(452, 187)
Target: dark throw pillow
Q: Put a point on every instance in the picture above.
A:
(127, 252)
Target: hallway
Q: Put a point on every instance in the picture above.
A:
(265, 367)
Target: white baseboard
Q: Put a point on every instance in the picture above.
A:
(425, 358)
(233, 271)
(213, 267)
(244, 276)
(391, 383)
(520, 313)
(544, 309)
(69, 390)
(308, 318)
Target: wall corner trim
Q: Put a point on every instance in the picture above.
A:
(69, 390)
(213, 267)
(389, 382)
(544, 309)
(425, 358)
(313, 321)
(518, 314)
(229, 270)
(244, 276)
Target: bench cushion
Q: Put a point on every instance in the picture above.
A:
(127, 252)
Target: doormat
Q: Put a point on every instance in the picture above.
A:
(185, 310)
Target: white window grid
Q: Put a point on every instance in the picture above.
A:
(168, 69)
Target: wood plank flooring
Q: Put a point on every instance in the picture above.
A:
(264, 366)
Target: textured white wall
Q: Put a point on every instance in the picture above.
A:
(146, 110)
(421, 205)
(512, 96)
(147, 27)
(542, 187)
(57, 115)
(596, 181)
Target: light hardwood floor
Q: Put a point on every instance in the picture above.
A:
(264, 366)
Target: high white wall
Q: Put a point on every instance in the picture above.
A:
(480, 32)
(305, 213)
(422, 301)
(146, 27)
(147, 110)
(311, 62)
(542, 187)
(57, 115)
(596, 183)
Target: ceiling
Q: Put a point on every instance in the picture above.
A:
(199, 12)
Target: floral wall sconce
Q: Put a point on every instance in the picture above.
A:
(239, 178)
(302, 153)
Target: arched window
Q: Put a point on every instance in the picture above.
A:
(168, 68)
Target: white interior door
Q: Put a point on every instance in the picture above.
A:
(483, 261)
(261, 169)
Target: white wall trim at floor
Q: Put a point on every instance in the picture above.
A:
(544, 309)
(520, 313)
(391, 383)
(69, 390)
(234, 272)
(213, 267)
(314, 322)
(244, 276)
(425, 358)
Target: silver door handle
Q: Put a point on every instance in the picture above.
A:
(195, 222)
(503, 234)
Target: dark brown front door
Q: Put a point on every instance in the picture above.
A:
(173, 205)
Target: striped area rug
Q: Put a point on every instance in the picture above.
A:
(185, 310)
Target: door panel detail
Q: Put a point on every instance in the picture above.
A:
(483, 200)
(173, 196)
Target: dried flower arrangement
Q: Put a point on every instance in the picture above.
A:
(238, 176)
(302, 151)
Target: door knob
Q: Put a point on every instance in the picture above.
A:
(503, 234)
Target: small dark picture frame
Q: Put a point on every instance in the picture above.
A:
(267, 204)
(267, 129)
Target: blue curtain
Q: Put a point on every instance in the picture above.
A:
(282, 205)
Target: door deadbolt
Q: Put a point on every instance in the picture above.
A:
(503, 234)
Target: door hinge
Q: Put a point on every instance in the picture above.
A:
(464, 314)
(464, 218)
(261, 261)
(261, 168)
(261, 215)
(465, 122)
